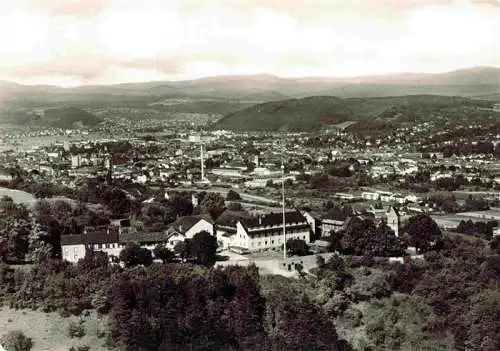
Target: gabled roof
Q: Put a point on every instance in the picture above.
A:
(144, 237)
(183, 224)
(274, 219)
(336, 214)
(91, 237)
(229, 218)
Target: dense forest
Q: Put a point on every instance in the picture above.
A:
(384, 113)
(447, 298)
(449, 301)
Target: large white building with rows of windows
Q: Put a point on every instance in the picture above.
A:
(261, 232)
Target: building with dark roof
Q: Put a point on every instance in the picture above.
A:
(149, 240)
(256, 233)
(103, 238)
(189, 226)
(112, 239)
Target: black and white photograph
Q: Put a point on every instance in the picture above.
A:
(249, 175)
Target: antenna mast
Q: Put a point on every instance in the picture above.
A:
(202, 163)
(283, 199)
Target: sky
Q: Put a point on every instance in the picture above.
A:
(78, 42)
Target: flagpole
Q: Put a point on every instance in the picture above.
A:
(283, 202)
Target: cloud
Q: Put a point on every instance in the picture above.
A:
(88, 68)
(110, 41)
(79, 8)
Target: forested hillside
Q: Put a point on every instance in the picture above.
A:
(313, 113)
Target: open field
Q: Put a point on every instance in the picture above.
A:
(19, 197)
(49, 331)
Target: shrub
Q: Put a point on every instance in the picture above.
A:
(64, 313)
(353, 318)
(80, 348)
(233, 196)
(16, 341)
(76, 330)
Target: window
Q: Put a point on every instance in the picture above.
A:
(272, 242)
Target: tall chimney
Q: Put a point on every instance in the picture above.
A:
(202, 164)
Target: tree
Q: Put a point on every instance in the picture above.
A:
(204, 248)
(117, 202)
(133, 255)
(319, 181)
(250, 166)
(340, 172)
(495, 244)
(183, 249)
(14, 233)
(38, 248)
(297, 324)
(93, 260)
(16, 341)
(42, 208)
(163, 253)
(180, 206)
(363, 237)
(232, 196)
(423, 232)
(235, 206)
(320, 261)
(483, 317)
(297, 247)
(213, 203)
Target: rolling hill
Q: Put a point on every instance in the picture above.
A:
(313, 113)
(68, 117)
(470, 82)
(63, 117)
(294, 114)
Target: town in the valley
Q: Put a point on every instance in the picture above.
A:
(250, 175)
(276, 200)
(252, 213)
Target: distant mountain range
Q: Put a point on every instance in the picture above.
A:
(253, 102)
(472, 82)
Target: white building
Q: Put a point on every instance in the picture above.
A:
(5, 176)
(367, 195)
(263, 172)
(264, 232)
(76, 161)
(189, 226)
(394, 220)
(103, 238)
(227, 172)
(112, 239)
